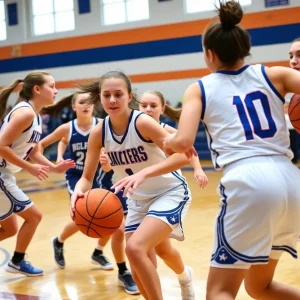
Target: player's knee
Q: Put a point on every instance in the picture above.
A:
(118, 235)
(36, 218)
(11, 230)
(133, 250)
(254, 291)
(162, 253)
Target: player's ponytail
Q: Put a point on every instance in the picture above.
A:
(229, 41)
(4, 95)
(54, 109)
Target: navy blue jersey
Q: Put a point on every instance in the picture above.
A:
(78, 141)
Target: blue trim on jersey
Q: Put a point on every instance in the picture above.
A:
(286, 248)
(223, 246)
(211, 148)
(203, 98)
(125, 134)
(137, 131)
(103, 133)
(231, 72)
(270, 84)
(163, 125)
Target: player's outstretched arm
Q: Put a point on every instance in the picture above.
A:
(183, 140)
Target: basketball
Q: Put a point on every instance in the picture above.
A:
(99, 213)
(294, 112)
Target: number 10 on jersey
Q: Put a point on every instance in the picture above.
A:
(248, 105)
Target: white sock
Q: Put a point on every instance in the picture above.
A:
(60, 239)
(98, 247)
(184, 276)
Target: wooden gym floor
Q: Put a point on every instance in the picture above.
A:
(81, 280)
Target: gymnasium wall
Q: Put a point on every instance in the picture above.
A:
(163, 53)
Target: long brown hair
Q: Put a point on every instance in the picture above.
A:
(26, 93)
(94, 88)
(68, 101)
(171, 112)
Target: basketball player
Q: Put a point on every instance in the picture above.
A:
(75, 135)
(133, 141)
(20, 131)
(242, 109)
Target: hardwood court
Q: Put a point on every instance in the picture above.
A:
(81, 280)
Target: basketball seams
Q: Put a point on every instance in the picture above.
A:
(103, 203)
(109, 214)
(92, 217)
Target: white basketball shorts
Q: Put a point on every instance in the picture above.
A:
(13, 199)
(259, 214)
(170, 207)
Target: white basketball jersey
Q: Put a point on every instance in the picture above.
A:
(25, 143)
(243, 115)
(131, 153)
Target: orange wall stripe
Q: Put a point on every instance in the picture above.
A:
(154, 77)
(184, 29)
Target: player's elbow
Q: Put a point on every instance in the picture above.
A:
(183, 145)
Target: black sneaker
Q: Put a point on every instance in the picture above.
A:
(127, 281)
(58, 253)
(101, 260)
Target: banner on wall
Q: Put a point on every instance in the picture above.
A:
(271, 3)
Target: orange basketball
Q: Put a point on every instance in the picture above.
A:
(99, 213)
(294, 112)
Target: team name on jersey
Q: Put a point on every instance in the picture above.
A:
(79, 146)
(128, 156)
(35, 137)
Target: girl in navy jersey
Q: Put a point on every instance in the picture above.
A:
(242, 109)
(133, 143)
(20, 131)
(75, 135)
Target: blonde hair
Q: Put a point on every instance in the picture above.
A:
(171, 112)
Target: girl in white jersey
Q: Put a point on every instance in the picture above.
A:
(133, 143)
(242, 109)
(74, 135)
(20, 131)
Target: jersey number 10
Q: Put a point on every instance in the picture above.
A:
(248, 105)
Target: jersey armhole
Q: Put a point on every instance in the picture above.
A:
(270, 84)
(103, 132)
(137, 131)
(70, 131)
(203, 99)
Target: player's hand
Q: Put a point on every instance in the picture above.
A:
(75, 196)
(129, 183)
(59, 160)
(201, 178)
(104, 158)
(39, 171)
(64, 166)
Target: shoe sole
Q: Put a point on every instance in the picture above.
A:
(52, 244)
(120, 283)
(15, 271)
(105, 268)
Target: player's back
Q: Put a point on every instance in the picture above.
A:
(243, 115)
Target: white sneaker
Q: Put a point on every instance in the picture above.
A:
(187, 289)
